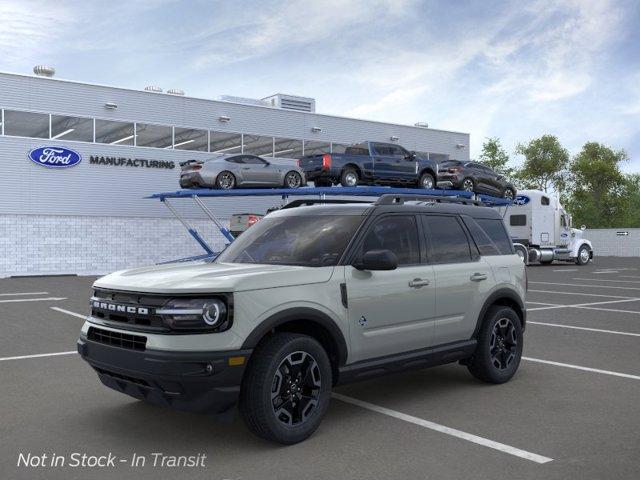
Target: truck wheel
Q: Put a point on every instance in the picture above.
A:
(225, 180)
(349, 178)
(499, 349)
(286, 388)
(427, 181)
(584, 255)
(468, 185)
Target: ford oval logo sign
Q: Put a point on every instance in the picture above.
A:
(521, 200)
(55, 157)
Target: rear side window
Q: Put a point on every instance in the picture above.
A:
(448, 241)
(518, 220)
(495, 230)
(486, 246)
(357, 151)
(397, 233)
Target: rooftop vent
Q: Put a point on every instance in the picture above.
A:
(244, 100)
(153, 88)
(422, 124)
(44, 71)
(175, 91)
(291, 102)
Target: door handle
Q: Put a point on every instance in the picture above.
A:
(418, 282)
(478, 277)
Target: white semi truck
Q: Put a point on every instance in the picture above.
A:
(542, 232)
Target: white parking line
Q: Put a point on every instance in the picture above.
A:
(584, 305)
(485, 442)
(599, 330)
(587, 286)
(47, 299)
(23, 293)
(540, 303)
(609, 310)
(567, 270)
(579, 367)
(606, 271)
(22, 357)
(607, 280)
(579, 293)
(73, 314)
(629, 276)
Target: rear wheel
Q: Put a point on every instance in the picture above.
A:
(292, 179)
(349, 178)
(286, 388)
(427, 181)
(584, 255)
(499, 349)
(225, 180)
(468, 185)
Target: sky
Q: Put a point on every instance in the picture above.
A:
(509, 69)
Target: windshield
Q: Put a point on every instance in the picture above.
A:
(310, 241)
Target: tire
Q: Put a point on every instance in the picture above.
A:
(225, 180)
(487, 364)
(427, 181)
(292, 179)
(468, 185)
(349, 177)
(267, 368)
(584, 255)
(509, 194)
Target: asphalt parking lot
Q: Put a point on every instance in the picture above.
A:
(572, 411)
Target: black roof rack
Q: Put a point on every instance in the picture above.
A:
(391, 199)
(319, 201)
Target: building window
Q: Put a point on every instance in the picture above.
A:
(114, 133)
(157, 136)
(26, 124)
(258, 145)
(225, 143)
(190, 139)
(338, 147)
(71, 128)
(287, 148)
(312, 147)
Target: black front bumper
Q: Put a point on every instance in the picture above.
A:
(198, 382)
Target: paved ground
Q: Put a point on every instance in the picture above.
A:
(581, 411)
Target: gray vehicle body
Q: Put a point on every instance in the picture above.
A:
(369, 321)
(248, 170)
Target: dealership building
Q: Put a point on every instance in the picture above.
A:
(93, 218)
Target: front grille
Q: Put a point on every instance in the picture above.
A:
(117, 339)
(136, 310)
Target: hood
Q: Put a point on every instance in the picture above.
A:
(201, 277)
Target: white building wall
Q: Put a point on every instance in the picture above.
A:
(613, 242)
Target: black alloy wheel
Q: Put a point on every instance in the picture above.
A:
(504, 343)
(295, 391)
(468, 185)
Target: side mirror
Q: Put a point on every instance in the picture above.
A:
(378, 260)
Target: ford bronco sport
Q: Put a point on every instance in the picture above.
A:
(308, 298)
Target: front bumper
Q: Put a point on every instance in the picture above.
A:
(198, 382)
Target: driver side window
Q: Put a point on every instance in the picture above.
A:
(397, 233)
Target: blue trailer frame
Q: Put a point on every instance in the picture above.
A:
(322, 192)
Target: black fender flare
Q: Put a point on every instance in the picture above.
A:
(495, 297)
(305, 314)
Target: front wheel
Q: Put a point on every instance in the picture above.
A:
(468, 185)
(286, 388)
(293, 179)
(499, 349)
(427, 181)
(584, 255)
(508, 194)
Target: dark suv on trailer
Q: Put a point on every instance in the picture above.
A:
(475, 177)
(310, 297)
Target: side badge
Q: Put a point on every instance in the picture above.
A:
(362, 321)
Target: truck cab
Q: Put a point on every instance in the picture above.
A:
(542, 230)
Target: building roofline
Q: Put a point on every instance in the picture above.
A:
(232, 103)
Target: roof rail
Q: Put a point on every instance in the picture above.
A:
(319, 201)
(390, 199)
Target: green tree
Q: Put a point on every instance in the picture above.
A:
(495, 156)
(600, 194)
(545, 164)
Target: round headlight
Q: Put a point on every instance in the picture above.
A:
(213, 312)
